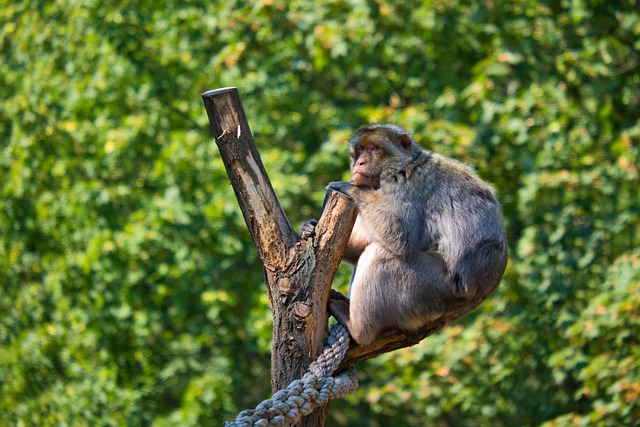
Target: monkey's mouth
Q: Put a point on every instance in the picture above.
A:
(360, 179)
(362, 176)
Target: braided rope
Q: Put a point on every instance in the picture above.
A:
(314, 389)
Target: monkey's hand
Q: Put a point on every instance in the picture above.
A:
(308, 229)
(344, 187)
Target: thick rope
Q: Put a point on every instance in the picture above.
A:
(314, 389)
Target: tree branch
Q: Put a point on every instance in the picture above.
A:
(270, 228)
(391, 340)
(298, 273)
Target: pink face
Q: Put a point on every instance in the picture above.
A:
(374, 151)
(366, 164)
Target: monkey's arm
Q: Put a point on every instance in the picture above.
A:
(393, 220)
(481, 269)
(358, 241)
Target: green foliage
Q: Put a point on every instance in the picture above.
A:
(129, 286)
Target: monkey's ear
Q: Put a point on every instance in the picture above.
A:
(405, 141)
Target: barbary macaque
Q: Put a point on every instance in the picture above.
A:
(428, 241)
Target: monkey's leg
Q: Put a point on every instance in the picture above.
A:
(371, 297)
(389, 291)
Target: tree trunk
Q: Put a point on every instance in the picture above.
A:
(298, 273)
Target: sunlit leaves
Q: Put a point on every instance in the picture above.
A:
(130, 286)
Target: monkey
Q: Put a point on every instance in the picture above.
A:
(428, 240)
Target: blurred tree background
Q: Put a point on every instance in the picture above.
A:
(130, 291)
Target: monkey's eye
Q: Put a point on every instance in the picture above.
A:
(368, 149)
(373, 149)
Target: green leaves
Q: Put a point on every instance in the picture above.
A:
(128, 282)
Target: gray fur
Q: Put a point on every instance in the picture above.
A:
(430, 238)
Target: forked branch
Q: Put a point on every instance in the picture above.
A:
(298, 273)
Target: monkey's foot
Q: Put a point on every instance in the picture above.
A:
(308, 229)
(333, 294)
(339, 308)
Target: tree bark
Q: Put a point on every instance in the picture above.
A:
(298, 273)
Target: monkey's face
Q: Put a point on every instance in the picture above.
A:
(366, 161)
(374, 152)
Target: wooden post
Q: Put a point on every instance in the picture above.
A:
(298, 273)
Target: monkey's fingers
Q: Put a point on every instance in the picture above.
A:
(308, 229)
(341, 187)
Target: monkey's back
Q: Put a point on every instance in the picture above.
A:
(464, 222)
